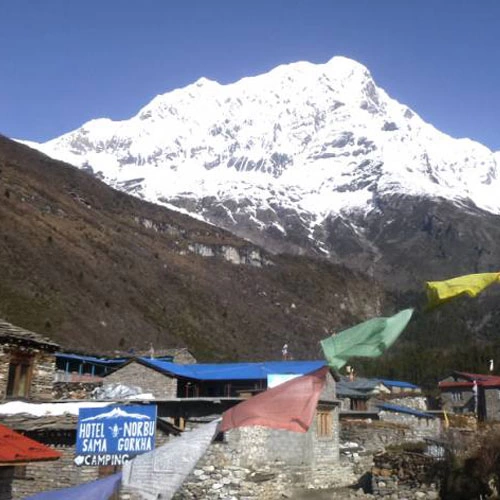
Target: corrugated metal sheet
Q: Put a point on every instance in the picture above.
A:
(16, 448)
(398, 383)
(234, 371)
(405, 409)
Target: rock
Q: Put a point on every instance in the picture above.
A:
(260, 476)
(216, 486)
(198, 472)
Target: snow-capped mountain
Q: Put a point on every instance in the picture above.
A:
(277, 157)
(117, 413)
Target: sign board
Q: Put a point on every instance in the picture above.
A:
(112, 435)
(274, 379)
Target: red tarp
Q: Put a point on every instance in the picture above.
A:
(16, 448)
(288, 406)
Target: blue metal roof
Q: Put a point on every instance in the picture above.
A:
(91, 359)
(234, 371)
(405, 409)
(98, 361)
(397, 383)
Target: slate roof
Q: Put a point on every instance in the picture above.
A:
(28, 423)
(16, 448)
(16, 334)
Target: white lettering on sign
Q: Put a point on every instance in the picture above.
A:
(91, 430)
(94, 460)
(132, 429)
(135, 444)
(94, 446)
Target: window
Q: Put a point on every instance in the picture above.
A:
(324, 423)
(358, 405)
(19, 381)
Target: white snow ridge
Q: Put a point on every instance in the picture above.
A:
(313, 138)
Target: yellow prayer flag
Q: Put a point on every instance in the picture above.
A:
(471, 284)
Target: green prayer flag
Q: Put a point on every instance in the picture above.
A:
(368, 339)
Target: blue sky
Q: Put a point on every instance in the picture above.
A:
(67, 61)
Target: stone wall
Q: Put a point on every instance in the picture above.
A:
(42, 374)
(418, 428)
(257, 463)
(375, 435)
(415, 402)
(262, 463)
(6, 475)
(63, 473)
(149, 380)
(405, 475)
(4, 371)
(74, 390)
(44, 368)
(46, 476)
(459, 400)
(257, 446)
(492, 401)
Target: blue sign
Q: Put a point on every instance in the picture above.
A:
(111, 435)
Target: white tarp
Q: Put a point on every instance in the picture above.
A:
(45, 409)
(160, 473)
(275, 379)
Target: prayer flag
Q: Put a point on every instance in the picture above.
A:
(470, 284)
(161, 472)
(289, 406)
(369, 339)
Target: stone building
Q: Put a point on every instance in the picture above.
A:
(149, 378)
(260, 462)
(27, 364)
(463, 392)
(16, 452)
(59, 432)
(318, 447)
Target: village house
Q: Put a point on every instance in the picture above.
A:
(16, 453)
(479, 394)
(360, 394)
(78, 367)
(59, 432)
(168, 380)
(27, 364)
(318, 448)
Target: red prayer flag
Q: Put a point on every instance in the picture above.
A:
(289, 406)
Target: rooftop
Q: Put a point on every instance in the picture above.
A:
(233, 371)
(16, 334)
(16, 448)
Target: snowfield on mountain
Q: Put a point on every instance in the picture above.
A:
(282, 153)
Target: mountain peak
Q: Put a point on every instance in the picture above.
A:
(313, 138)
